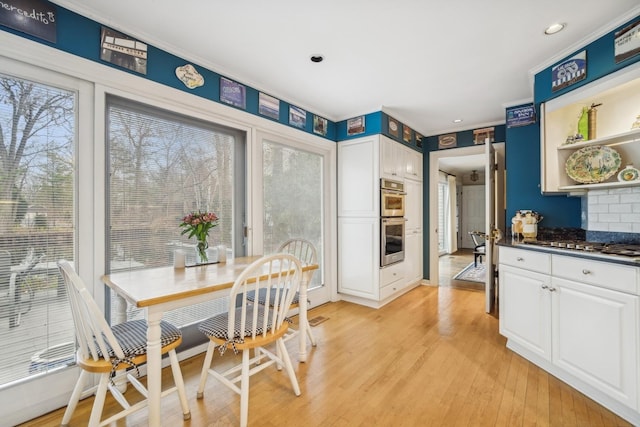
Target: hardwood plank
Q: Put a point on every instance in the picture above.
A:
(432, 357)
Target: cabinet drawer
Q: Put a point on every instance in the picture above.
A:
(391, 274)
(622, 278)
(391, 289)
(529, 260)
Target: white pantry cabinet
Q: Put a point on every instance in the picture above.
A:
(362, 162)
(576, 318)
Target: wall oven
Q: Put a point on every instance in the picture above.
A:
(391, 198)
(391, 240)
(392, 204)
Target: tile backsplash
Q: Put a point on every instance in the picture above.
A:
(612, 210)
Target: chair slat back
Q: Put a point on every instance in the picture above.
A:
(93, 333)
(278, 275)
(301, 249)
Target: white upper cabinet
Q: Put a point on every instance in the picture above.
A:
(413, 164)
(358, 181)
(613, 126)
(392, 159)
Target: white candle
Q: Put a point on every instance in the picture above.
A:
(222, 253)
(179, 258)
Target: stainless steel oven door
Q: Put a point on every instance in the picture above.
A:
(391, 203)
(391, 240)
(391, 198)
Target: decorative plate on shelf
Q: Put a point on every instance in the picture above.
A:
(628, 174)
(590, 165)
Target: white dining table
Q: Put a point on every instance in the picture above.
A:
(157, 290)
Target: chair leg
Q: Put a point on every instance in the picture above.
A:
(314, 343)
(177, 378)
(284, 355)
(244, 389)
(98, 403)
(205, 369)
(74, 399)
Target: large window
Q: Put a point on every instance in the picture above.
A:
(37, 144)
(293, 198)
(162, 166)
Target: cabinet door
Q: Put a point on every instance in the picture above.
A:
(413, 164)
(392, 164)
(359, 257)
(595, 337)
(413, 257)
(525, 309)
(413, 206)
(358, 183)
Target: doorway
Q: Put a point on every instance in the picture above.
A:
(461, 161)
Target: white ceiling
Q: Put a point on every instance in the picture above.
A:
(425, 62)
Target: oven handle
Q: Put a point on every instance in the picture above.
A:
(394, 192)
(397, 219)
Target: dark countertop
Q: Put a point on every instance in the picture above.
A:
(617, 259)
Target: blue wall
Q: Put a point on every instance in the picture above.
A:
(523, 163)
(80, 36)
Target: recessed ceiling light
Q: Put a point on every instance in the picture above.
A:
(317, 58)
(554, 28)
(457, 120)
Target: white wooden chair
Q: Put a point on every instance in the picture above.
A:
(307, 254)
(104, 350)
(254, 326)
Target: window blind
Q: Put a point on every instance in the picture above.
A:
(37, 144)
(163, 165)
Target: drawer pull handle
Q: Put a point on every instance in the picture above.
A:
(519, 259)
(545, 287)
(585, 271)
(552, 289)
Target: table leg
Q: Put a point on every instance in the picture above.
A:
(120, 316)
(119, 310)
(154, 366)
(302, 316)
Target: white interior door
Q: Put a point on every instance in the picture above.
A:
(490, 225)
(473, 213)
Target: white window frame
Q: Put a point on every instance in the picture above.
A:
(328, 150)
(39, 395)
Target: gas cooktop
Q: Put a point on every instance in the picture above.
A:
(601, 250)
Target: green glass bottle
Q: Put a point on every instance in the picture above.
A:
(583, 124)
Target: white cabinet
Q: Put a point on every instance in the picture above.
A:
(413, 164)
(392, 159)
(525, 307)
(619, 94)
(413, 231)
(595, 337)
(362, 162)
(575, 317)
(358, 182)
(358, 257)
(413, 257)
(392, 279)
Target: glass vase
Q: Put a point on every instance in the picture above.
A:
(201, 252)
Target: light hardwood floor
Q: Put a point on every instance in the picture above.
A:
(430, 358)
